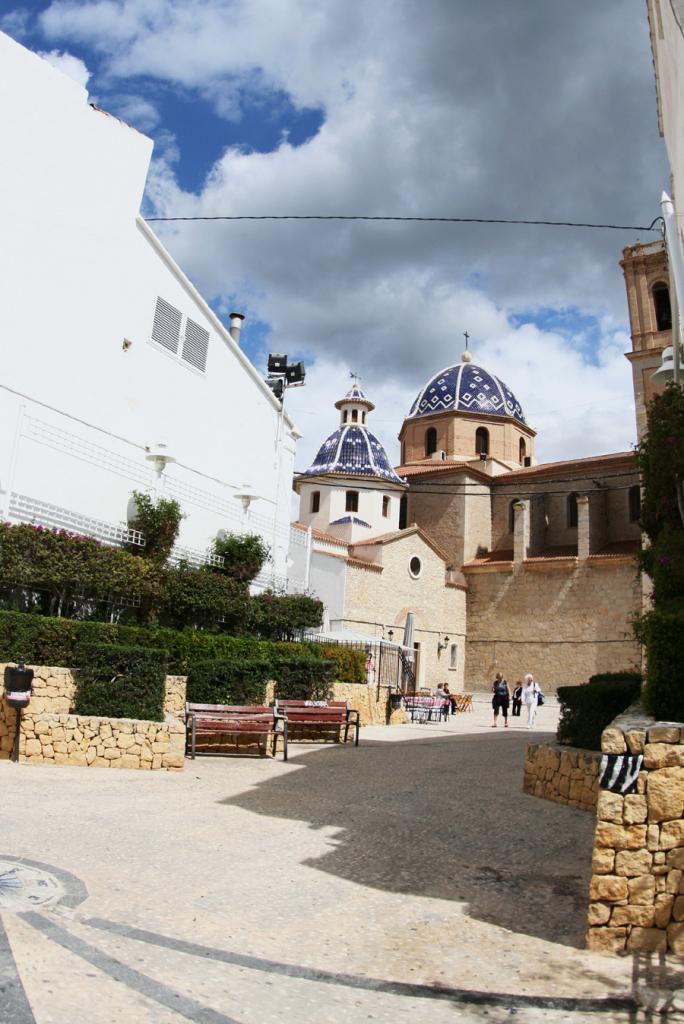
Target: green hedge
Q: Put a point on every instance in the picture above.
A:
(664, 692)
(42, 640)
(586, 710)
(236, 681)
(303, 678)
(120, 682)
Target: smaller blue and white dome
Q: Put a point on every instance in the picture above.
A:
(467, 388)
(352, 450)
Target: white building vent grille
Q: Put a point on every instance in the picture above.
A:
(166, 326)
(195, 345)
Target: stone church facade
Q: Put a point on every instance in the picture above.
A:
(522, 567)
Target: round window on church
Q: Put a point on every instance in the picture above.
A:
(415, 567)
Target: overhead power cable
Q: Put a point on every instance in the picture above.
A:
(426, 220)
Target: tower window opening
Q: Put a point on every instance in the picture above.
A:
(634, 503)
(523, 451)
(571, 511)
(352, 501)
(482, 441)
(344, 416)
(661, 304)
(430, 441)
(403, 512)
(355, 415)
(363, 417)
(315, 501)
(511, 514)
(385, 506)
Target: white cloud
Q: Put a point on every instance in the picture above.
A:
(136, 110)
(68, 65)
(531, 110)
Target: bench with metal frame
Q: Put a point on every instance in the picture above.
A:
(426, 708)
(249, 720)
(307, 717)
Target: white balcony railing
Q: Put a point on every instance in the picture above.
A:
(23, 509)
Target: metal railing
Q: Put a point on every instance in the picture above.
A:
(23, 509)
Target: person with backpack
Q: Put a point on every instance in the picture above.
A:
(531, 698)
(501, 699)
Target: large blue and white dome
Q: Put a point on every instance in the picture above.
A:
(353, 451)
(467, 388)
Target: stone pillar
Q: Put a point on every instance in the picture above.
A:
(521, 531)
(583, 538)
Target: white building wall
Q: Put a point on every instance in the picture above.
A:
(81, 273)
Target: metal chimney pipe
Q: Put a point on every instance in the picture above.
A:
(236, 326)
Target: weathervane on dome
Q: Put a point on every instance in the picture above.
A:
(355, 377)
(466, 357)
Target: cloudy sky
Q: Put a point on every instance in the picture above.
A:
(532, 109)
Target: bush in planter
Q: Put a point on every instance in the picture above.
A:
(234, 681)
(303, 678)
(586, 710)
(198, 597)
(349, 662)
(120, 682)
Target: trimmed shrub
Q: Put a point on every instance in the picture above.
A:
(236, 681)
(284, 617)
(349, 662)
(198, 597)
(41, 640)
(664, 692)
(586, 710)
(120, 682)
(303, 678)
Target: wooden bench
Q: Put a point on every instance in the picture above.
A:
(331, 717)
(464, 701)
(255, 722)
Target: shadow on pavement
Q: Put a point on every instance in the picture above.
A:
(443, 817)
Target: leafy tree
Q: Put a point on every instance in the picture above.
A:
(159, 521)
(244, 555)
(284, 616)
(187, 596)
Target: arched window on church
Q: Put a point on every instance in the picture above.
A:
(482, 441)
(511, 514)
(661, 305)
(315, 501)
(571, 511)
(344, 416)
(430, 441)
(403, 453)
(352, 501)
(355, 415)
(634, 504)
(363, 417)
(522, 450)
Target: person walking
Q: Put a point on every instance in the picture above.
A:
(500, 699)
(517, 699)
(530, 697)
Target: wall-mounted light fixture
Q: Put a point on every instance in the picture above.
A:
(159, 455)
(390, 634)
(442, 644)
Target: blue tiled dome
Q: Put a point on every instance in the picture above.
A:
(467, 388)
(353, 451)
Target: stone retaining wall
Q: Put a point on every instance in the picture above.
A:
(51, 734)
(371, 704)
(566, 775)
(637, 888)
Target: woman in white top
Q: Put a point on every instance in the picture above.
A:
(530, 693)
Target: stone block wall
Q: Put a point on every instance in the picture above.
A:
(636, 898)
(51, 734)
(370, 702)
(566, 775)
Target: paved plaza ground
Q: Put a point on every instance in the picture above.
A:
(407, 880)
